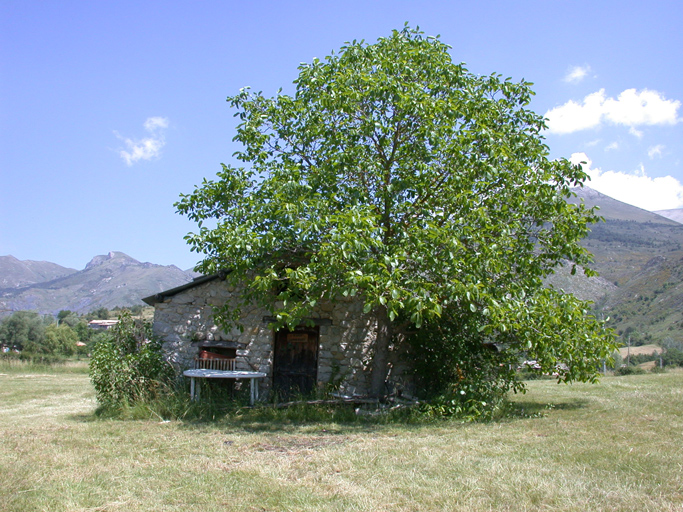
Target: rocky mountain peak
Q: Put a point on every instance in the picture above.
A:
(108, 280)
(113, 256)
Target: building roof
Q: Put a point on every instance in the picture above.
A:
(102, 325)
(103, 322)
(161, 296)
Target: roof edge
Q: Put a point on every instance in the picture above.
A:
(197, 281)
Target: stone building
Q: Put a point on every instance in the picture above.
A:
(332, 352)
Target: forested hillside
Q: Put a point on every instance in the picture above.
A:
(639, 255)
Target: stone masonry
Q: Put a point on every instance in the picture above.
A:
(184, 319)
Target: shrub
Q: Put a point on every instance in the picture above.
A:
(127, 366)
(458, 373)
(673, 357)
(527, 374)
(629, 370)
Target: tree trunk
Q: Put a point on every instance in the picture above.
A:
(380, 361)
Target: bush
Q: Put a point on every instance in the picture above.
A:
(629, 370)
(673, 357)
(527, 374)
(127, 366)
(458, 373)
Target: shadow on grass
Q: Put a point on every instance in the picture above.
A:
(83, 417)
(530, 409)
(332, 420)
(218, 410)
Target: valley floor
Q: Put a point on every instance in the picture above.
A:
(615, 446)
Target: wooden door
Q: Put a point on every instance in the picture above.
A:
(295, 362)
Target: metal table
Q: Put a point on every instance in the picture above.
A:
(223, 374)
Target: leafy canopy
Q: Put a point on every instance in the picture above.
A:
(22, 329)
(395, 175)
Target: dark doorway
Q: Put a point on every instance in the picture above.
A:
(295, 362)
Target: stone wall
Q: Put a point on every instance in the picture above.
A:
(347, 335)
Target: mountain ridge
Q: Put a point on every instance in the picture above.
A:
(110, 280)
(675, 215)
(15, 273)
(613, 209)
(641, 254)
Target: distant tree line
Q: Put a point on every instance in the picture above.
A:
(30, 333)
(625, 232)
(65, 335)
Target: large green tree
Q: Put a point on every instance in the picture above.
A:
(57, 340)
(395, 175)
(22, 329)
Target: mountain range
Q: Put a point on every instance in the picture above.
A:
(17, 274)
(675, 215)
(110, 280)
(638, 255)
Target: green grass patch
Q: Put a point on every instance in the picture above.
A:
(63, 365)
(615, 446)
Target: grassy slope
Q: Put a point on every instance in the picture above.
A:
(614, 446)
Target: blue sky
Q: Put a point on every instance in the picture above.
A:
(110, 109)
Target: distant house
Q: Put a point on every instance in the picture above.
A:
(332, 351)
(102, 325)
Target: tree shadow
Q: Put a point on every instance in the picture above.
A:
(533, 409)
(266, 420)
(83, 417)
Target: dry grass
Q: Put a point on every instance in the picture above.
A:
(614, 446)
(642, 349)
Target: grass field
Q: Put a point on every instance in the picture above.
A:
(613, 446)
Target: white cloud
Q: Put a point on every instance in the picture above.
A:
(635, 133)
(146, 148)
(655, 151)
(631, 108)
(613, 145)
(635, 188)
(576, 74)
(154, 123)
(573, 117)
